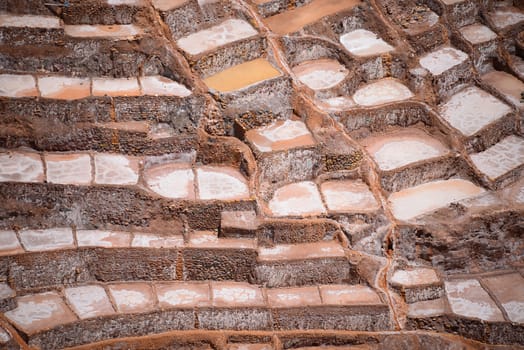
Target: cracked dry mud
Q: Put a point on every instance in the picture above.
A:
(261, 174)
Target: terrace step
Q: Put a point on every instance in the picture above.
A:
(19, 29)
(129, 115)
(449, 67)
(171, 180)
(479, 117)
(460, 13)
(268, 8)
(42, 30)
(115, 51)
(290, 231)
(228, 43)
(7, 296)
(107, 12)
(487, 303)
(285, 151)
(287, 265)
(48, 257)
(68, 88)
(241, 224)
(484, 44)
(421, 26)
(337, 307)
(502, 159)
(418, 284)
(131, 137)
(150, 308)
(410, 156)
(109, 169)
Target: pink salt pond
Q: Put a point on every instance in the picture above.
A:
(46, 240)
(472, 109)
(176, 294)
(39, 312)
(468, 298)
(443, 59)
(21, 167)
(171, 180)
(477, 33)
(335, 104)
(320, 74)
(348, 295)
(17, 85)
(133, 297)
(293, 20)
(213, 182)
(132, 125)
(29, 21)
(509, 290)
(116, 169)
(89, 301)
(10, 244)
(281, 135)
(382, 91)
(506, 17)
(64, 88)
(221, 183)
(348, 196)
(228, 294)
(500, 158)
(401, 148)
(508, 85)
(166, 5)
(69, 169)
(414, 201)
(149, 240)
(242, 75)
(364, 43)
(302, 251)
(115, 31)
(415, 277)
(161, 86)
(427, 308)
(300, 198)
(293, 297)
(104, 239)
(209, 39)
(115, 87)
